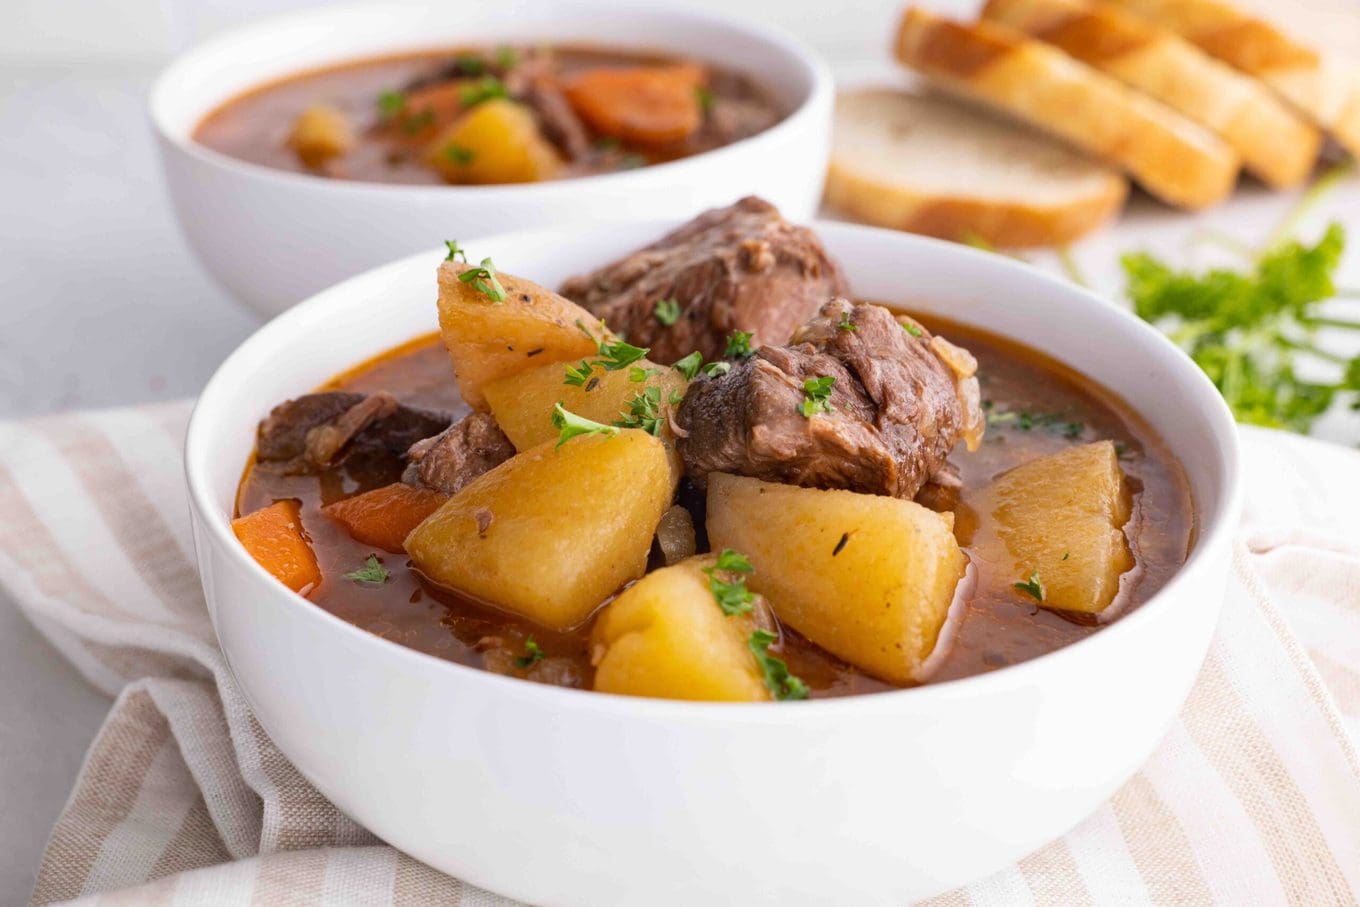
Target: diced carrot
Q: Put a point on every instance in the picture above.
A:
(275, 538)
(384, 516)
(651, 105)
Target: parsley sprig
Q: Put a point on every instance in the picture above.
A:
(391, 103)
(781, 684)
(667, 311)
(817, 396)
(483, 280)
(372, 573)
(732, 596)
(644, 411)
(690, 365)
(484, 89)
(569, 425)
(739, 345)
(1033, 587)
(617, 354)
(533, 653)
(1253, 331)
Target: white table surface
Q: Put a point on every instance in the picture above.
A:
(101, 304)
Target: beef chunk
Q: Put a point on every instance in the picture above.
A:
(738, 268)
(893, 415)
(468, 448)
(366, 432)
(532, 80)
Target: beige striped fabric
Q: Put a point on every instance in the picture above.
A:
(1252, 798)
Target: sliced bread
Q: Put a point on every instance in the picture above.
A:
(1274, 143)
(1171, 156)
(927, 164)
(1324, 87)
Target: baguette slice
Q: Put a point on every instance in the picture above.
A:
(1172, 157)
(1275, 143)
(930, 165)
(1323, 87)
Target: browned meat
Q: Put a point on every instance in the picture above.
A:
(531, 80)
(320, 431)
(892, 415)
(471, 446)
(732, 114)
(741, 268)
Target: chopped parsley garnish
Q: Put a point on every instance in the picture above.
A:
(578, 375)
(459, 155)
(456, 253)
(390, 103)
(619, 355)
(690, 365)
(845, 324)
(644, 411)
(372, 572)
(470, 65)
(732, 597)
(417, 121)
(484, 89)
(817, 396)
(1253, 330)
(631, 161)
(717, 369)
(1032, 586)
(667, 311)
(738, 345)
(911, 329)
(483, 280)
(533, 653)
(1024, 420)
(506, 57)
(704, 95)
(781, 684)
(569, 425)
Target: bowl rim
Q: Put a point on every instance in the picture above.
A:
(820, 92)
(1213, 528)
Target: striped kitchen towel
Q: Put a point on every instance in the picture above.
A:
(1252, 798)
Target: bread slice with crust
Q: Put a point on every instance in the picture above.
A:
(928, 164)
(1172, 157)
(1324, 87)
(1274, 143)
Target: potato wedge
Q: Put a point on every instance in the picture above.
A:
(495, 142)
(866, 577)
(489, 339)
(320, 133)
(666, 637)
(552, 532)
(523, 403)
(1061, 516)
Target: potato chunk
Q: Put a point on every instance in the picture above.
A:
(523, 404)
(552, 532)
(666, 637)
(489, 339)
(320, 133)
(495, 142)
(1061, 516)
(866, 577)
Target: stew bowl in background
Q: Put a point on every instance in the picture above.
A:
(560, 796)
(272, 238)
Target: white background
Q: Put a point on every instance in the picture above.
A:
(100, 303)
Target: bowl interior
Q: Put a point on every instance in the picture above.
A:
(225, 67)
(382, 308)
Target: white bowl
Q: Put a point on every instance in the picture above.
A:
(559, 796)
(272, 238)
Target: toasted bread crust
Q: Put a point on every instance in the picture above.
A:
(1172, 157)
(1326, 91)
(1275, 144)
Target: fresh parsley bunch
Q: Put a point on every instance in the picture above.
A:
(1248, 329)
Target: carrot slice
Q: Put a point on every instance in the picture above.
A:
(275, 538)
(651, 105)
(384, 516)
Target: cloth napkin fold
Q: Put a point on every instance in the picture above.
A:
(1252, 798)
